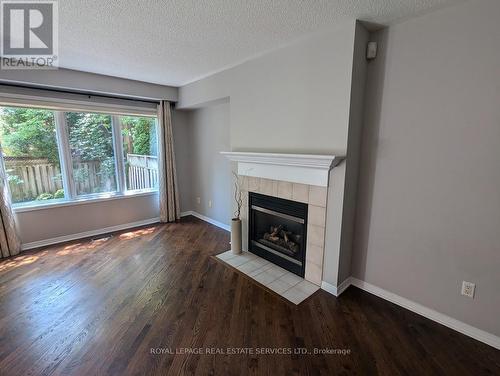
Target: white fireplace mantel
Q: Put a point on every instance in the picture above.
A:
(296, 168)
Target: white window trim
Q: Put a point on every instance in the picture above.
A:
(70, 195)
(65, 155)
(116, 126)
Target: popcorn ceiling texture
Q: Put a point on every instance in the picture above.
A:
(176, 42)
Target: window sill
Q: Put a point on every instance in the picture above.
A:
(82, 201)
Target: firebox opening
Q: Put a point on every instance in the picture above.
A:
(277, 231)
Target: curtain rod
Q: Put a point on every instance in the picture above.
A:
(88, 93)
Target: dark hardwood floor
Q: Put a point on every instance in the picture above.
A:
(155, 301)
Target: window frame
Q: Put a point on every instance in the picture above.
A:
(65, 160)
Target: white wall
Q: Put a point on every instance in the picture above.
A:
(294, 99)
(429, 199)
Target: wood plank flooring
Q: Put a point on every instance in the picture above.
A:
(154, 302)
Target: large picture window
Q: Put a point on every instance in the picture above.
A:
(55, 156)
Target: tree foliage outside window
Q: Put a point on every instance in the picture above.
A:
(91, 143)
(28, 132)
(31, 156)
(90, 135)
(139, 135)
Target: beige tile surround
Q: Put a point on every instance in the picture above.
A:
(314, 196)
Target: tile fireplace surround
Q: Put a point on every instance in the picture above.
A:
(302, 178)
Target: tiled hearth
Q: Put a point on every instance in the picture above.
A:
(279, 280)
(314, 196)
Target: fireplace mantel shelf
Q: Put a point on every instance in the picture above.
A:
(297, 168)
(301, 160)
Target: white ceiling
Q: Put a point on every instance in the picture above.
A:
(174, 42)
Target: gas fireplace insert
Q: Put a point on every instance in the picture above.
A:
(277, 231)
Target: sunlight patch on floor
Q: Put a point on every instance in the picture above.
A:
(20, 261)
(82, 247)
(137, 233)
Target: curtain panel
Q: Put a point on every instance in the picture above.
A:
(168, 190)
(10, 244)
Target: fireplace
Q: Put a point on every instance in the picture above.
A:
(277, 231)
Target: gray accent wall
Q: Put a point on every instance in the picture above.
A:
(292, 100)
(429, 192)
(344, 178)
(183, 158)
(297, 99)
(202, 171)
(53, 222)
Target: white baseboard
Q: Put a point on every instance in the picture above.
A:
(86, 234)
(336, 290)
(450, 322)
(206, 219)
(106, 230)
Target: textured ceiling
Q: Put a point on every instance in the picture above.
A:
(177, 41)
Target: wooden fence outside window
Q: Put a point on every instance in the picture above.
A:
(31, 177)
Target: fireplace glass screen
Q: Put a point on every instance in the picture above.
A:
(277, 231)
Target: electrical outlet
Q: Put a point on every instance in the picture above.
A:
(468, 289)
(209, 203)
(198, 200)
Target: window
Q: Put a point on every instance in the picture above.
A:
(31, 155)
(140, 152)
(92, 155)
(55, 156)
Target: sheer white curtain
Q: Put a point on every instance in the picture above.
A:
(10, 244)
(168, 192)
